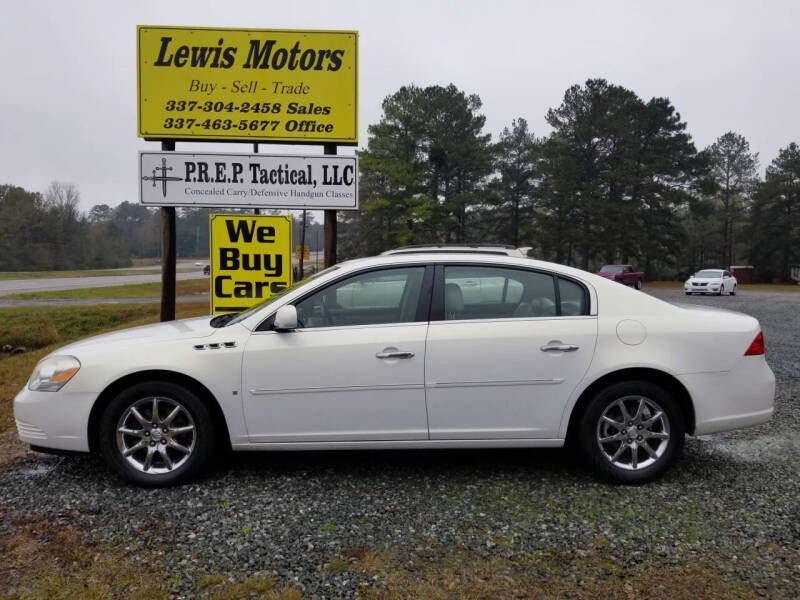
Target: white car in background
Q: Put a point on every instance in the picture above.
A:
(432, 349)
(711, 281)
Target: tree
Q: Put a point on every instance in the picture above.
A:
(616, 170)
(425, 162)
(775, 218)
(734, 171)
(512, 191)
(100, 213)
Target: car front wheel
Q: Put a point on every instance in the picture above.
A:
(156, 434)
(631, 432)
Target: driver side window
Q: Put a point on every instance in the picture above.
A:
(372, 298)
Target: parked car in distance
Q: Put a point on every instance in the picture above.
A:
(711, 281)
(420, 350)
(623, 274)
(207, 270)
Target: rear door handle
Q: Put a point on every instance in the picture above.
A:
(558, 347)
(394, 354)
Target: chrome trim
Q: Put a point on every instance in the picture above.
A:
(350, 388)
(558, 348)
(395, 354)
(516, 319)
(215, 345)
(455, 384)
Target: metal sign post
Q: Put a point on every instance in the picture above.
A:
(168, 250)
(330, 225)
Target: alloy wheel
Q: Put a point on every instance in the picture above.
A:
(156, 435)
(633, 432)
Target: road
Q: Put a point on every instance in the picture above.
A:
(20, 286)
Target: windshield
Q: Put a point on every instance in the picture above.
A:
(238, 317)
(708, 274)
(613, 269)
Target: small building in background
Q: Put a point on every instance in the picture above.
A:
(743, 273)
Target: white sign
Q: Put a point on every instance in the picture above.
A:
(206, 179)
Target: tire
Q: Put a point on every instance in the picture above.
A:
(733, 291)
(667, 431)
(638, 284)
(688, 293)
(178, 449)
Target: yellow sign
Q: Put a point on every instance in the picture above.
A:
(248, 84)
(305, 249)
(250, 259)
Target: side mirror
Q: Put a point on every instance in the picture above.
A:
(285, 318)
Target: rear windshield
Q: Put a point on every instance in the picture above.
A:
(613, 269)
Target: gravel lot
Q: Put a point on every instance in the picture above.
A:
(731, 502)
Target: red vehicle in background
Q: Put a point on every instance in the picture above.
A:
(623, 274)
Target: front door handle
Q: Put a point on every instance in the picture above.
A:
(557, 346)
(394, 354)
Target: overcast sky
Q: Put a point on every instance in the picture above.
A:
(68, 70)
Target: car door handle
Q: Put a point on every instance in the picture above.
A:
(558, 347)
(394, 354)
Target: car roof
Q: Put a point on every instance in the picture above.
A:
(497, 249)
(460, 257)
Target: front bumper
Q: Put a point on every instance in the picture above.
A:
(58, 420)
(741, 397)
(702, 289)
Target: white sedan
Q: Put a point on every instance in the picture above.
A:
(421, 350)
(711, 281)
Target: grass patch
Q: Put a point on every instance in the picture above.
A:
(51, 562)
(185, 287)
(36, 327)
(47, 561)
(336, 565)
(86, 273)
(44, 329)
(259, 587)
(769, 287)
(585, 575)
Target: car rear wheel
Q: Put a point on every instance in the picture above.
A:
(638, 284)
(156, 434)
(631, 432)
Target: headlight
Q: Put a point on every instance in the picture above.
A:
(51, 374)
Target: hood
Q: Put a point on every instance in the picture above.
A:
(197, 327)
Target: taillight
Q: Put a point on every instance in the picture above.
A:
(757, 347)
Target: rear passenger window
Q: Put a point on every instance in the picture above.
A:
(573, 298)
(497, 293)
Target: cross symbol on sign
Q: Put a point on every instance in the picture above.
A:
(163, 177)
